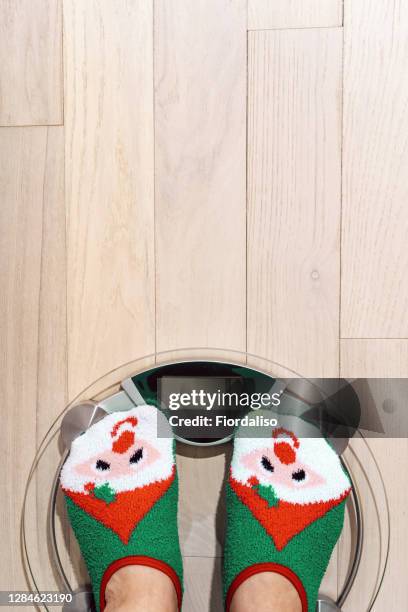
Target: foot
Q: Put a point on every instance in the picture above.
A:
(121, 491)
(285, 511)
(266, 592)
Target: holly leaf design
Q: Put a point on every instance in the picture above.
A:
(267, 493)
(105, 493)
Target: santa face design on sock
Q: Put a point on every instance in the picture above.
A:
(287, 483)
(118, 469)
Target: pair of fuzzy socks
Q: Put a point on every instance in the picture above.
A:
(285, 504)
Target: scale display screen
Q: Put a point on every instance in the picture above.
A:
(205, 393)
(196, 405)
(203, 401)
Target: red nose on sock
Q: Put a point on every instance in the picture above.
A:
(284, 453)
(124, 442)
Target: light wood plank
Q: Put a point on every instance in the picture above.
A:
(31, 62)
(22, 161)
(109, 185)
(382, 359)
(200, 68)
(32, 327)
(271, 14)
(374, 358)
(375, 220)
(52, 389)
(51, 343)
(294, 171)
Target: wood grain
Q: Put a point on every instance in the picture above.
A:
(31, 62)
(52, 364)
(52, 356)
(200, 81)
(294, 146)
(109, 185)
(32, 328)
(107, 271)
(375, 221)
(21, 175)
(374, 358)
(271, 14)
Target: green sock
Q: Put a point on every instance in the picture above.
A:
(285, 511)
(121, 491)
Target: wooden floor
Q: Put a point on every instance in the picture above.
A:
(217, 174)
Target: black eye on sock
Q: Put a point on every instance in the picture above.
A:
(267, 464)
(299, 475)
(137, 455)
(102, 465)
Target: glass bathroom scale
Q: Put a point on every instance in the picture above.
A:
(50, 552)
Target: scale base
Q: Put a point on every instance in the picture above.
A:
(78, 419)
(82, 601)
(325, 604)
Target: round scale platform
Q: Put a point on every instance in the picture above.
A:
(51, 554)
